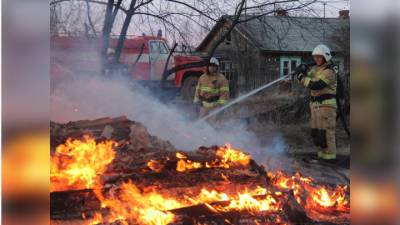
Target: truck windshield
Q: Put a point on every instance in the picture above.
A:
(158, 47)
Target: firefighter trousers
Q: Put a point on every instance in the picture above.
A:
(323, 126)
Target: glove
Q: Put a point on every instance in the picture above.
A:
(300, 69)
(300, 76)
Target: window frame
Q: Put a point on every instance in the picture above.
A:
(159, 48)
(288, 59)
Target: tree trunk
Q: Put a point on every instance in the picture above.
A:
(106, 34)
(111, 14)
(234, 22)
(124, 31)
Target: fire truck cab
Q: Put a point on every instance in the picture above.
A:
(144, 58)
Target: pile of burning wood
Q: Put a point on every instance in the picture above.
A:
(112, 171)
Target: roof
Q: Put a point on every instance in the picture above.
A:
(289, 34)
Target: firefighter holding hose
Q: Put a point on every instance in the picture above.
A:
(212, 89)
(322, 81)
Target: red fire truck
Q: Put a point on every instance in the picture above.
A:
(72, 56)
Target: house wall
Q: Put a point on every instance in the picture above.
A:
(240, 61)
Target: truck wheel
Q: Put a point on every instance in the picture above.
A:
(188, 88)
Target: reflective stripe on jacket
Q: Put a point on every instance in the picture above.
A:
(325, 76)
(212, 86)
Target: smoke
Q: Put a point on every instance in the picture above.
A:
(91, 97)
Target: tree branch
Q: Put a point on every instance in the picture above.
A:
(91, 1)
(269, 3)
(138, 57)
(164, 74)
(193, 8)
(162, 18)
(238, 12)
(124, 31)
(269, 12)
(90, 19)
(142, 4)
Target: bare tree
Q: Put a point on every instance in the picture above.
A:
(66, 18)
(174, 16)
(89, 17)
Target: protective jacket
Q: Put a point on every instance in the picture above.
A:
(212, 90)
(321, 80)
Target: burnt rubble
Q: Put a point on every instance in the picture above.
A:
(136, 147)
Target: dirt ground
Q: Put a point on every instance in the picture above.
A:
(297, 137)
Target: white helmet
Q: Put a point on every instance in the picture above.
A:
(324, 51)
(214, 60)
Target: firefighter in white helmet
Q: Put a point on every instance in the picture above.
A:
(321, 80)
(212, 89)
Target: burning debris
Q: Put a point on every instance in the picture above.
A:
(224, 157)
(77, 163)
(102, 173)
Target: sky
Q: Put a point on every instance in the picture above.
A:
(333, 7)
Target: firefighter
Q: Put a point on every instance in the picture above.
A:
(212, 89)
(321, 80)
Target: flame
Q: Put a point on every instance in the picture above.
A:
(281, 180)
(247, 202)
(328, 199)
(226, 157)
(207, 196)
(231, 156)
(78, 163)
(186, 165)
(242, 201)
(131, 204)
(97, 219)
(155, 165)
(322, 197)
(319, 198)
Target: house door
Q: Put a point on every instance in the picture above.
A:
(288, 64)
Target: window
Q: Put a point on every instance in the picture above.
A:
(163, 48)
(288, 64)
(227, 68)
(158, 47)
(286, 67)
